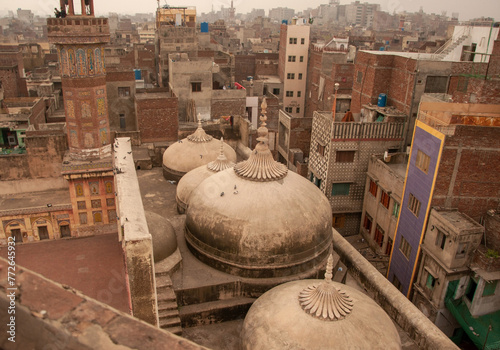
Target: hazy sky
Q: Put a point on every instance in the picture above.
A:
(466, 8)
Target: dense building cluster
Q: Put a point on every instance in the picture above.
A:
(223, 161)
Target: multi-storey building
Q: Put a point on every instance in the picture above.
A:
(175, 33)
(453, 163)
(292, 66)
(281, 13)
(338, 161)
(383, 191)
(361, 13)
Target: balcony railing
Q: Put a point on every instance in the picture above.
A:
(367, 131)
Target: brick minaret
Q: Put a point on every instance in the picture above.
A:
(80, 40)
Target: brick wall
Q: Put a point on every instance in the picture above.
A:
(121, 105)
(38, 113)
(9, 77)
(225, 107)
(468, 172)
(157, 118)
(244, 66)
(266, 64)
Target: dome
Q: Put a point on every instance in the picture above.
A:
(163, 236)
(195, 150)
(193, 178)
(317, 314)
(258, 220)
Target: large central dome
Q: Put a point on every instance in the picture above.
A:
(258, 220)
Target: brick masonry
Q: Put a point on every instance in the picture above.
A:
(157, 117)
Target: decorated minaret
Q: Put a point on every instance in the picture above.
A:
(88, 167)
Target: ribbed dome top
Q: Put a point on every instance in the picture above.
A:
(195, 150)
(259, 226)
(194, 177)
(278, 320)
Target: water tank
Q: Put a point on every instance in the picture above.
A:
(382, 100)
(284, 21)
(204, 27)
(137, 73)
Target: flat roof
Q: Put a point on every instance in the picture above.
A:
(34, 200)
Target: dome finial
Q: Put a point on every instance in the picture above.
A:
(221, 163)
(199, 135)
(324, 300)
(261, 166)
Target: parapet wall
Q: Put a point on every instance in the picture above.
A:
(401, 310)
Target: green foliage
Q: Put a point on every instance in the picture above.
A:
(492, 253)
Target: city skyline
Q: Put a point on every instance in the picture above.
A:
(467, 10)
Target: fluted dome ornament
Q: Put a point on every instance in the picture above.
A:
(261, 166)
(199, 135)
(323, 300)
(221, 163)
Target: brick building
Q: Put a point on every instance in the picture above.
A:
(453, 164)
(329, 64)
(157, 115)
(120, 90)
(12, 76)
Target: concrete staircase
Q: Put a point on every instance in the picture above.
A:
(448, 48)
(168, 312)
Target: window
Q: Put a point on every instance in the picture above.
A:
(436, 84)
(299, 93)
(341, 189)
(196, 87)
(123, 123)
(384, 199)
(440, 239)
(110, 202)
(373, 188)
(463, 83)
(461, 250)
(489, 288)
(97, 216)
(297, 110)
(83, 218)
(124, 91)
(395, 209)
(81, 205)
(359, 77)
(289, 94)
(96, 203)
(112, 215)
(344, 156)
(431, 281)
(405, 247)
(396, 283)
(389, 246)
(291, 58)
(422, 161)
(301, 59)
(316, 181)
(471, 290)
(302, 41)
(292, 40)
(367, 224)
(320, 149)
(338, 221)
(300, 76)
(379, 236)
(288, 109)
(414, 205)
(290, 76)
(276, 92)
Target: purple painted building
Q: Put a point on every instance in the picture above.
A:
(419, 185)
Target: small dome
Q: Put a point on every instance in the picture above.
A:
(258, 220)
(194, 177)
(163, 236)
(317, 314)
(195, 150)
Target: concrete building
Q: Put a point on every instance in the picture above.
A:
(175, 32)
(361, 14)
(448, 248)
(338, 161)
(292, 66)
(12, 74)
(382, 200)
(453, 163)
(281, 13)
